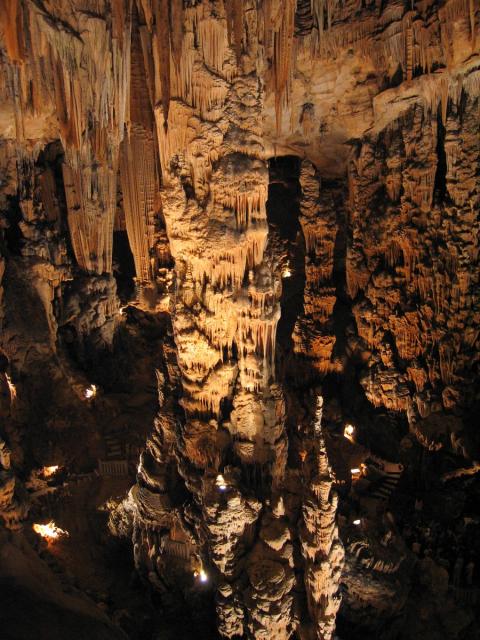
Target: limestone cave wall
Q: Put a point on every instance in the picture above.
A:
(167, 122)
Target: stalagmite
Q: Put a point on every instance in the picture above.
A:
(320, 543)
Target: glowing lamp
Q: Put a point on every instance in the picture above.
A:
(220, 482)
(286, 273)
(356, 522)
(91, 391)
(50, 471)
(349, 431)
(11, 387)
(203, 576)
(49, 531)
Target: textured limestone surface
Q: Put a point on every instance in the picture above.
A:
(159, 120)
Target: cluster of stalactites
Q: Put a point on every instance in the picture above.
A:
(78, 70)
(227, 268)
(215, 145)
(139, 174)
(406, 35)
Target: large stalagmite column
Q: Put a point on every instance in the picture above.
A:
(321, 546)
(226, 307)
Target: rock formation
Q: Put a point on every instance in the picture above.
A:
(321, 547)
(161, 119)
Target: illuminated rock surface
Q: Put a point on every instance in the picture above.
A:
(221, 212)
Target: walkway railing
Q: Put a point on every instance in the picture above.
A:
(113, 467)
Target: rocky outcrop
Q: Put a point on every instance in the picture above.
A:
(422, 272)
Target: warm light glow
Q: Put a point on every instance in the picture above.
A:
(11, 387)
(349, 431)
(201, 575)
(221, 484)
(50, 471)
(49, 531)
(91, 391)
(356, 522)
(354, 471)
(286, 273)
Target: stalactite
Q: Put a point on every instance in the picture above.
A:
(471, 8)
(213, 41)
(447, 362)
(11, 20)
(228, 269)
(455, 10)
(229, 17)
(407, 335)
(208, 93)
(176, 30)
(357, 36)
(267, 25)
(318, 9)
(181, 80)
(138, 175)
(409, 51)
(237, 27)
(91, 202)
(418, 376)
(248, 205)
(162, 33)
(282, 58)
(321, 306)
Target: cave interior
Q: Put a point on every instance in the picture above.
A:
(239, 319)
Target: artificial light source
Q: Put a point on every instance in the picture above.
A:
(356, 522)
(286, 273)
(91, 391)
(11, 387)
(50, 471)
(349, 431)
(220, 482)
(50, 531)
(201, 575)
